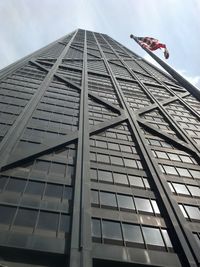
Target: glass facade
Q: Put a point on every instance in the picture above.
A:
(100, 159)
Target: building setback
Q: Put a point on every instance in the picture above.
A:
(100, 155)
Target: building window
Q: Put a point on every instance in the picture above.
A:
(132, 234)
(152, 236)
(108, 199)
(120, 178)
(111, 230)
(105, 176)
(125, 202)
(143, 205)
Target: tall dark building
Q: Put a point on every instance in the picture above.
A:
(100, 155)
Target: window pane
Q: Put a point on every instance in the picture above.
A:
(67, 194)
(135, 181)
(116, 160)
(7, 214)
(161, 155)
(111, 230)
(155, 206)
(171, 187)
(41, 165)
(194, 190)
(193, 212)
(57, 168)
(125, 148)
(93, 174)
(95, 197)
(153, 236)
(146, 183)
(170, 170)
(130, 163)
(34, 188)
(108, 199)
(16, 185)
(26, 218)
(125, 202)
(53, 190)
(3, 180)
(48, 221)
(120, 178)
(183, 172)
(113, 146)
(195, 174)
(183, 211)
(96, 228)
(166, 238)
(105, 176)
(173, 157)
(143, 204)
(103, 158)
(132, 233)
(64, 223)
(180, 189)
(186, 159)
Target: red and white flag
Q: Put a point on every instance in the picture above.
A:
(152, 44)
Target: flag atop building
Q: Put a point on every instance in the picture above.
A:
(152, 44)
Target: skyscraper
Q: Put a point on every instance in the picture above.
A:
(100, 155)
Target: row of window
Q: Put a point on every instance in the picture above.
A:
(124, 202)
(119, 178)
(159, 143)
(158, 92)
(146, 79)
(185, 158)
(182, 189)
(53, 52)
(190, 212)
(41, 170)
(182, 172)
(113, 146)
(50, 126)
(33, 221)
(35, 188)
(130, 235)
(114, 160)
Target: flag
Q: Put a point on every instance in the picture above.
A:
(152, 44)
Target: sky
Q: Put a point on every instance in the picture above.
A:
(27, 25)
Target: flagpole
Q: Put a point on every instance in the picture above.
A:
(187, 85)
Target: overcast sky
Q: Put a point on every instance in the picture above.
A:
(27, 25)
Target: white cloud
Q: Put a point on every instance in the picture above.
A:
(195, 80)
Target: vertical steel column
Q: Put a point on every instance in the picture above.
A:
(80, 251)
(162, 188)
(17, 128)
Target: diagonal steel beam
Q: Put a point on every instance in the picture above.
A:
(61, 142)
(92, 95)
(167, 137)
